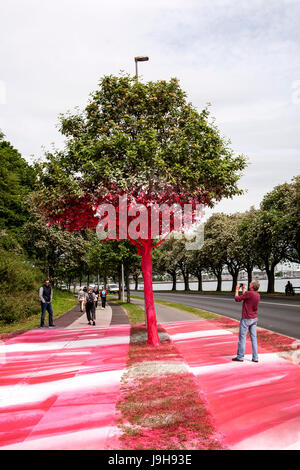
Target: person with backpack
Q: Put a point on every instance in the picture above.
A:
(90, 306)
(103, 295)
(46, 295)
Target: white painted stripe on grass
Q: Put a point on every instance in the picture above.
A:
(86, 439)
(284, 436)
(230, 365)
(254, 383)
(59, 345)
(109, 340)
(199, 334)
(20, 394)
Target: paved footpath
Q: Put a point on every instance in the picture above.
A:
(254, 405)
(59, 387)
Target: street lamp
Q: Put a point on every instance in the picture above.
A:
(123, 296)
(139, 59)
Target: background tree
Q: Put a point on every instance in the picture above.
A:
(247, 240)
(285, 200)
(269, 233)
(214, 250)
(57, 253)
(234, 246)
(165, 261)
(144, 141)
(183, 260)
(17, 179)
(198, 264)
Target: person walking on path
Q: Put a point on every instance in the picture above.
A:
(46, 295)
(96, 292)
(248, 321)
(90, 306)
(81, 296)
(103, 295)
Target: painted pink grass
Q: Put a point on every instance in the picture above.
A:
(266, 339)
(59, 388)
(162, 410)
(255, 406)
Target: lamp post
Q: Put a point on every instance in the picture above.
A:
(139, 59)
(123, 296)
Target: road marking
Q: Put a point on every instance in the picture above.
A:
(262, 302)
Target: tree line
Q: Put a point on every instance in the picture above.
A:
(32, 250)
(258, 238)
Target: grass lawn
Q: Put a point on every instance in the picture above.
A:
(62, 302)
(135, 313)
(160, 405)
(186, 308)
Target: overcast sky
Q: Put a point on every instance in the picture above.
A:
(241, 56)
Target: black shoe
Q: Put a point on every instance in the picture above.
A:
(254, 360)
(94, 323)
(237, 360)
(52, 326)
(42, 326)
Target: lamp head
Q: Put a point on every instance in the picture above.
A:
(141, 58)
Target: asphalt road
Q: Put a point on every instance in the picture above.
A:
(279, 315)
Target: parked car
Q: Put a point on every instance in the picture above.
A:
(112, 288)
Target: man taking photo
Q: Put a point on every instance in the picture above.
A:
(250, 301)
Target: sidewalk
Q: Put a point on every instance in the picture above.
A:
(255, 405)
(59, 387)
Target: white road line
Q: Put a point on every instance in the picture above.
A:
(261, 302)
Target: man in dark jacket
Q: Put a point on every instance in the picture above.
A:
(46, 295)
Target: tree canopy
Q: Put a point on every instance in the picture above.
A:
(17, 179)
(144, 141)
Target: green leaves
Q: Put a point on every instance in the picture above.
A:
(140, 135)
(16, 181)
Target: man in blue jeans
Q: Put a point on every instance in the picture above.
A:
(250, 301)
(46, 294)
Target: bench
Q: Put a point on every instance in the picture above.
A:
(293, 291)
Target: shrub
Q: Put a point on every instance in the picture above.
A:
(19, 284)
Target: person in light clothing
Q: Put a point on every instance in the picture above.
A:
(248, 321)
(81, 296)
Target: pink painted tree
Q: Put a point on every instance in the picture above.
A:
(134, 148)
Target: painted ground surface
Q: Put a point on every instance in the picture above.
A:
(58, 388)
(254, 405)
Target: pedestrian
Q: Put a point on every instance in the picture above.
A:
(103, 295)
(81, 296)
(96, 292)
(289, 288)
(248, 321)
(46, 295)
(90, 306)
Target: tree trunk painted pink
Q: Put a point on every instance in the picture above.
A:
(153, 337)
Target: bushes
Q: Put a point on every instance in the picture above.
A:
(19, 284)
